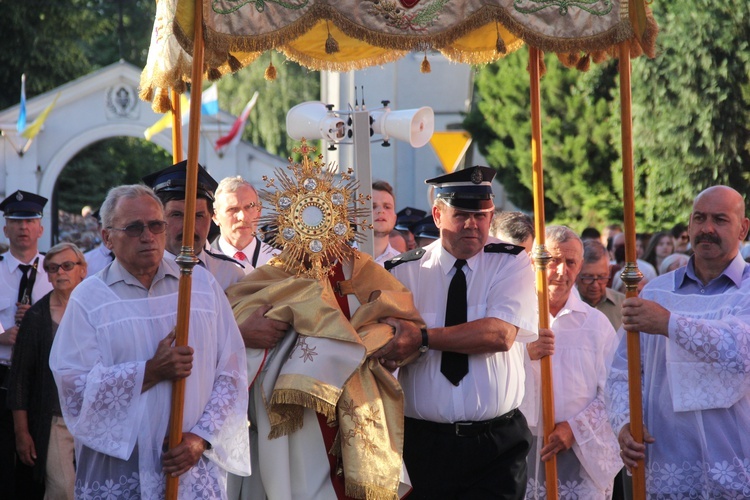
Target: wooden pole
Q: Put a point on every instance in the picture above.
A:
(176, 127)
(187, 259)
(631, 275)
(541, 259)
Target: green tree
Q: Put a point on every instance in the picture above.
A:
(691, 105)
(88, 177)
(266, 126)
(577, 137)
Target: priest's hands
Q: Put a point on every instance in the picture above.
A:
(560, 439)
(8, 337)
(631, 450)
(259, 332)
(185, 455)
(545, 346)
(640, 315)
(169, 362)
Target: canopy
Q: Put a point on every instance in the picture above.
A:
(342, 35)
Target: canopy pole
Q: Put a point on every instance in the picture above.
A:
(176, 126)
(187, 260)
(541, 259)
(631, 276)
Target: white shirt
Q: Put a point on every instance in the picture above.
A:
(226, 272)
(387, 254)
(265, 254)
(97, 259)
(584, 345)
(111, 327)
(10, 281)
(696, 386)
(499, 285)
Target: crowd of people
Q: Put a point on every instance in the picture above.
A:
(315, 371)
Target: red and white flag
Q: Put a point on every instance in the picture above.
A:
(235, 134)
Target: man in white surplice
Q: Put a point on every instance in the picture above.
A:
(695, 359)
(581, 341)
(114, 364)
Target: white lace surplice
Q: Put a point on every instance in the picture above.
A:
(584, 344)
(696, 394)
(98, 359)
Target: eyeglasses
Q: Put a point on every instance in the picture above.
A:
(587, 279)
(68, 265)
(135, 229)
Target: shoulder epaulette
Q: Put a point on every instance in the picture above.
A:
(503, 248)
(409, 256)
(221, 256)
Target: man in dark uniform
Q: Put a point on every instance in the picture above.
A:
(464, 435)
(22, 282)
(169, 186)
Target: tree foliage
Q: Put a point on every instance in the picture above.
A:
(690, 121)
(577, 137)
(91, 173)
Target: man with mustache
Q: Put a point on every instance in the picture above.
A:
(695, 358)
(236, 212)
(169, 186)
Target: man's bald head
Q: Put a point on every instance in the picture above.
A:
(733, 198)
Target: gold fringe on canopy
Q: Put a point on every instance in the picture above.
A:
(354, 34)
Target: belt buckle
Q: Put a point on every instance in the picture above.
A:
(460, 425)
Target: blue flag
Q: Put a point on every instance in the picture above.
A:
(21, 123)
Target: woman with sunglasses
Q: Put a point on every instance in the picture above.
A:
(42, 439)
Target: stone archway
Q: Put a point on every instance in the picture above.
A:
(96, 107)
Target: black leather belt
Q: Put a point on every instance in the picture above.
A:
(465, 429)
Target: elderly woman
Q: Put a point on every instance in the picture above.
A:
(672, 262)
(42, 440)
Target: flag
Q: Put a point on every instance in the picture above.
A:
(166, 120)
(21, 124)
(235, 133)
(32, 130)
(210, 100)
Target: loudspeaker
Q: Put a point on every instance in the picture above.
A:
(312, 120)
(414, 126)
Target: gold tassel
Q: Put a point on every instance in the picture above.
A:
(500, 47)
(146, 94)
(234, 64)
(542, 65)
(270, 74)
(584, 63)
(425, 67)
(180, 86)
(599, 56)
(162, 103)
(332, 46)
(214, 74)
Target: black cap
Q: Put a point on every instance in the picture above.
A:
(426, 228)
(406, 218)
(172, 180)
(23, 205)
(469, 189)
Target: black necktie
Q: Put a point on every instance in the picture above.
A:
(455, 365)
(24, 280)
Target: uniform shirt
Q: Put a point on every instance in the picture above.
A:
(226, 272)
(265, 253)
(696, 385)
(10, 280)
(499, 285)
(387, 254)
(97, 259)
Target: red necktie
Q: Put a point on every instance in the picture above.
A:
(240, 256)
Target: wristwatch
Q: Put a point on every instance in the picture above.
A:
(425, 342)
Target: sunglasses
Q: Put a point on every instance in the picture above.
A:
(135, 229)
(66, 266)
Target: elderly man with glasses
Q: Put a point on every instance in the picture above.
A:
(592, 283)
(114, 362)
